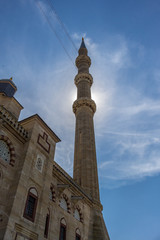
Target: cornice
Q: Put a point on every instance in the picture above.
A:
(66, 178)
(8, 118)
(36, 117)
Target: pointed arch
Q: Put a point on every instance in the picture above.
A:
(31, 204)
(63, 221)
(52, 193)
(64, 203)
(78, 213)
(78, 234)
(11, 149)
(63, 229)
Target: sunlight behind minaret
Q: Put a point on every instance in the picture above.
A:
(96, 96)
(104, 103)
(100, 97)
(73, 95)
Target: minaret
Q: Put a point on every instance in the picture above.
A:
(85, 162)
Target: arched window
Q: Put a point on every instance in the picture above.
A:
(62, 235)
(46, 225)
(52, 193)
(4, 151)
(78, 234)
(31, 204)
(7, 151)
(63, 204)
(77, 215)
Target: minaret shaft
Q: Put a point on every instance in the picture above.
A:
(83, 90)
(85, 162)
(85, 166)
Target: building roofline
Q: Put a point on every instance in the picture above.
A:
(18, 103)
(71, 180)
(36, 116)
(4, 95)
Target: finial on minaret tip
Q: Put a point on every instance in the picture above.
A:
(83, 44)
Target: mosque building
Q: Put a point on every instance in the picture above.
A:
(38, 199)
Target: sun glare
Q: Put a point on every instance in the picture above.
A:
(73, 96)
(97, 98)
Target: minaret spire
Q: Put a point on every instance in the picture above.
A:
(85, 162)
(83, 44)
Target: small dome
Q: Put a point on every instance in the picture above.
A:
(7, 87)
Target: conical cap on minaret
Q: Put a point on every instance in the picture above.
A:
(83, 50)
(83, 61)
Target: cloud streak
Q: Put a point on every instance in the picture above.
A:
(126, 122)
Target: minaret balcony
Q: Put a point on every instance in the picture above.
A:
(84, 102)
(83, 59)
(83, 76)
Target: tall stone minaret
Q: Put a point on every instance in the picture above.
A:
(85, 162)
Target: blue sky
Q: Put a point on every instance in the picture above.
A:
(123, 40)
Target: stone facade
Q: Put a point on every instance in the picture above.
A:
(38, 199)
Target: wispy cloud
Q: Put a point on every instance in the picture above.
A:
(127, 118)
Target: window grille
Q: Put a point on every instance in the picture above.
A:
(31, 204)
(4, 151)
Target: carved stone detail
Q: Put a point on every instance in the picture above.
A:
(12, 121)
(80, 212)
(52, 193)
(67, 201)
(84, 102)
(43, 142)
(22, 231)
(75, 199)
(83, 58)
(83, 76)
(62, 187)
(11, 149)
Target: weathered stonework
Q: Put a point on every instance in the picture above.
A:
(37, 197)
(84, 102)
(83, 77)
(85, 163)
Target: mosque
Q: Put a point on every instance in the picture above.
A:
(38, 199)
